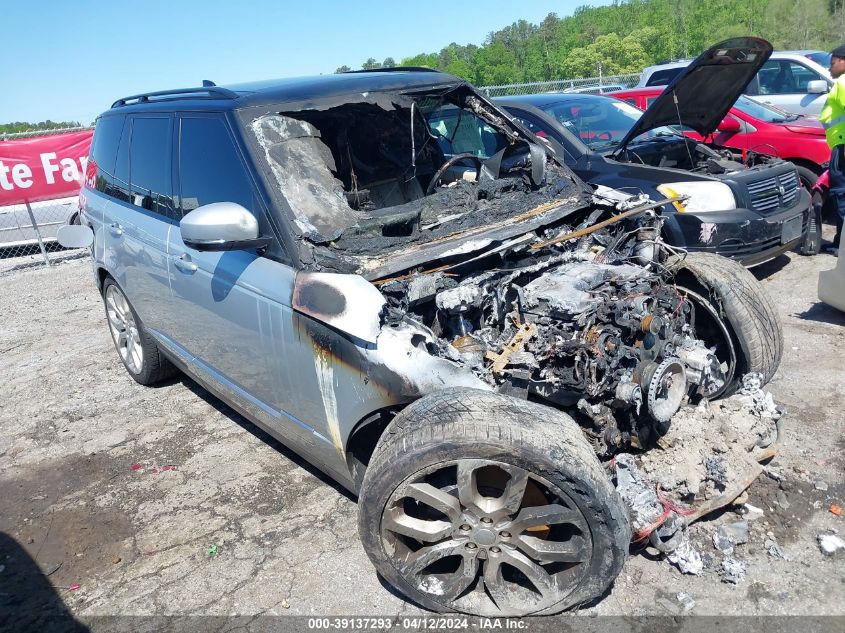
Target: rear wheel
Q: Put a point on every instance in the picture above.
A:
(739, 317)
(480, 503)
(137, 349)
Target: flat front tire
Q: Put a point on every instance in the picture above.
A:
(479, 503)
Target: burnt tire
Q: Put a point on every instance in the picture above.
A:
(738, 298)
(460, 453)
(146, 364)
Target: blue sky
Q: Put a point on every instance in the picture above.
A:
(70, 60)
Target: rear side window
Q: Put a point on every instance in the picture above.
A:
(210, 169)
(104, 149)
(149, 165)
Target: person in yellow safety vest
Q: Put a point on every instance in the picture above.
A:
(833, 120)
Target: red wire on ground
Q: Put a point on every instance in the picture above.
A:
(669, 507)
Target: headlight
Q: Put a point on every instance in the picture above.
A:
(701, 196)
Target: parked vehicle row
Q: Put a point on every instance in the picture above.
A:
(795, 81)
(745, 205)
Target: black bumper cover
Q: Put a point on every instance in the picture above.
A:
(740, 234)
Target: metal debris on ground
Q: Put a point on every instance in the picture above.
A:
(722, 543)
(756, 400)
(830, 544)
(733, 570)
(736, 533)
(775, 550)
(686, 601)
(716, 470)
(638, 493)
(820, 485)
(751, 512)
(687, 558)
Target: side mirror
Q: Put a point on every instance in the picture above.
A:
(729, 125)
(221, 226)
(817, 87)
(75, 236)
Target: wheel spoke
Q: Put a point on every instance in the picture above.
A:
(511, 499)
(498, 586)
(426, 531)
(114, 320)
(455, 584)
(572, 551)
(552, 514)
(435, 498)
(424, 557)
(117, 311)
(468, 486)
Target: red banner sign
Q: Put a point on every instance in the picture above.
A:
(43, 168)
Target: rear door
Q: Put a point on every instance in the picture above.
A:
(138, 216)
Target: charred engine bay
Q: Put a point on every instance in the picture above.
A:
(585, 326)
(687, 154)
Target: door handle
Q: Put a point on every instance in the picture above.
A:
(184, 263)
(116, 229)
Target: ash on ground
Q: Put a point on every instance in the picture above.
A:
(709, 449)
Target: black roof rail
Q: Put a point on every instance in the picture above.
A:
(207, 92)
(391, 69)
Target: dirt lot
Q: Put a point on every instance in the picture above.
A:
(137, 501)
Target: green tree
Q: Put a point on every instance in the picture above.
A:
(426, 60)
(370, 64)
(342, 69)
(388, 62)
(496, 64)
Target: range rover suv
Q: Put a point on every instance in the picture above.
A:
(419, 322)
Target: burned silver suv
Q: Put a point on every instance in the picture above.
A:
(398, 282)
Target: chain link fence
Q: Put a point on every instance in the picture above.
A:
(587, 85)
(28, 230)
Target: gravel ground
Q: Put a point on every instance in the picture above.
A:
(140, 501)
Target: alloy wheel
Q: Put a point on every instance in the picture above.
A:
(485, 537)
(124, 329)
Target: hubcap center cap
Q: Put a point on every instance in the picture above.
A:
(484, 536)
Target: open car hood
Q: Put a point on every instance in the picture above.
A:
(706, 89)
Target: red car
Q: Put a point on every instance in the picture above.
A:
(754, 126)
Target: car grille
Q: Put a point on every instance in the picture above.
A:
(773, 194)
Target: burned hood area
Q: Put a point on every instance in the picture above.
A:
(503, 263)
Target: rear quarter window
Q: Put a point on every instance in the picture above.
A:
(104, 146)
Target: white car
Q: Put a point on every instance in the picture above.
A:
(832, 282)
(795, 81)
(16, 226)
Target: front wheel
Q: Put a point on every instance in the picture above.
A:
(479, 503)
(736, 315)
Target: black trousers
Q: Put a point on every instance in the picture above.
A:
(837, 187)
